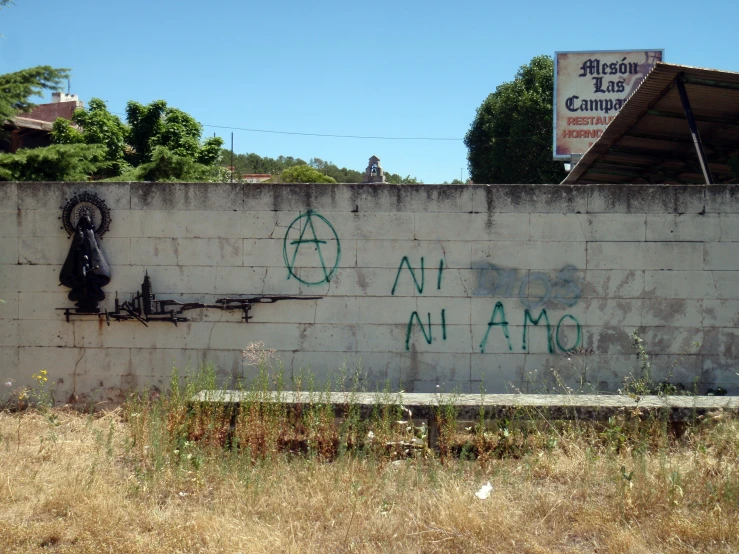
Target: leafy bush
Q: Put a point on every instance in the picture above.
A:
(62, 162)
(168, 166)
(304, 174)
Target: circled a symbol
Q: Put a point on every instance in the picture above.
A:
(316, 265)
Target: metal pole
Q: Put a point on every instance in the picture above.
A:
(693, 129)
(232, 157)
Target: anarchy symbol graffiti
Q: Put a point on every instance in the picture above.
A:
(311, 249)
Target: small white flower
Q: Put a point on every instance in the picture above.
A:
(370, 435)
(484, 491)
(183, 493)
(8, 383)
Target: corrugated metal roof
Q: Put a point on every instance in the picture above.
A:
(649, 140)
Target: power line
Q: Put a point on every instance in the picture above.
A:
(327, 135)
(316, 134)
(350, 136)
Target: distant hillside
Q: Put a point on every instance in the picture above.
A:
(254, 163)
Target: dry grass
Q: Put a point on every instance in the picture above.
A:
(78, 483)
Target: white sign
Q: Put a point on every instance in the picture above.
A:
(589, 90)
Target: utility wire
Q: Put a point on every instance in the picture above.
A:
(349, 136)
(325, 135)
(341, 136)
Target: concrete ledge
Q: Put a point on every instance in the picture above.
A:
(469, 406)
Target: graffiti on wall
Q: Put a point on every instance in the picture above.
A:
(554, 333)
(425, 330)
(311, 249)
(536, 291)
(419, 279)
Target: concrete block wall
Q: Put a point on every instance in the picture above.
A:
(423, 288)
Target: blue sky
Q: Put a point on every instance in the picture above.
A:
(392, 69)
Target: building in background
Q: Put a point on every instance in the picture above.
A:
(255, 177)
(33, 129)
(374, 172)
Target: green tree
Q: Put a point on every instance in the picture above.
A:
(100, 127)
(166, 165)
(146, 123)
(396, 179)
(253, 163)
(62, 132)
(159, 125)
(60, 162)
(210, 151)
(17, 88)
(304, 174)
(510, 139)
(159, 143)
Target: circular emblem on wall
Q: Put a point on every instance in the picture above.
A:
(89, 204)
(311, 249)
